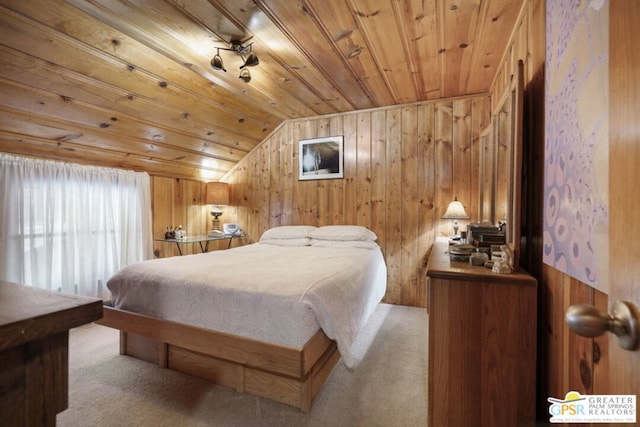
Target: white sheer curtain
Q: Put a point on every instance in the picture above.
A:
(69, 228)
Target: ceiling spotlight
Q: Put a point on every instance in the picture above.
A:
(251, 59)
(216, 62)
(245, 75)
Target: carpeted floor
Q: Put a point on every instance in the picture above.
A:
(387, 389)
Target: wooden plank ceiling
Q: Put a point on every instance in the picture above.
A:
(128, 83)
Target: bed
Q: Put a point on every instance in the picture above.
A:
(270, 318)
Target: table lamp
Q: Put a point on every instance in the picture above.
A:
(217, 195)
(455, 211)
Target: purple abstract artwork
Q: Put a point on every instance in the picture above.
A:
(576, 190)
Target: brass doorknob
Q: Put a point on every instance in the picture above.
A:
(588, 321)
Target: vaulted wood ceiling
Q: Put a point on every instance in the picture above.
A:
(128, 83)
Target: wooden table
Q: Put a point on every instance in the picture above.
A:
(34, 338)
(482, 344)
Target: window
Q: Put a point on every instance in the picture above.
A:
(69, 228)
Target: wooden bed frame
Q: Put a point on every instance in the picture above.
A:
(287, 375)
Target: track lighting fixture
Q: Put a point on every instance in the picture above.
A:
(251, 59)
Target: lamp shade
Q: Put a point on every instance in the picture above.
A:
(455, 211)
(217, 193)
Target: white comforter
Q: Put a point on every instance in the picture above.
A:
(271, 293)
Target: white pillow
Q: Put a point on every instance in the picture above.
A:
(363, 244)
(343, 233)
(288, 232)
(301, 241)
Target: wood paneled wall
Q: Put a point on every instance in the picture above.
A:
(402, 166)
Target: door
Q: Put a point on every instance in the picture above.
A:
(624, 176)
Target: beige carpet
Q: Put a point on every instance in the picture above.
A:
(387, 389)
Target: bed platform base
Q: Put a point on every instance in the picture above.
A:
(287, 375)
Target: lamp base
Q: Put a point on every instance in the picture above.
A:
(456, 237)
(216, 227)
(215, 222)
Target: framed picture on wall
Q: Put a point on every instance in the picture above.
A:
(321, 158)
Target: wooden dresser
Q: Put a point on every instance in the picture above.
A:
(482, 344)
(34, 338)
